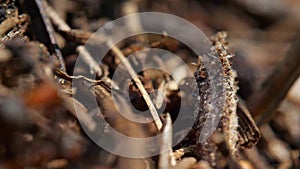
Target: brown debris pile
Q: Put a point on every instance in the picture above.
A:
(46, 101)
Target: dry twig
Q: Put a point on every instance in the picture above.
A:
(43, 26)
(88, 59)
(138, 82)
(266, 99)
(165, 161)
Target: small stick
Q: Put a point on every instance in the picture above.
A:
(138, 82)
(77, 35)
(166, 145)
(65, 76)
(63, 26)
(43, 27)
(266, 99)
(161, 93)
(55, 19)
(133, 23)
(88, 59)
